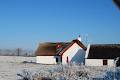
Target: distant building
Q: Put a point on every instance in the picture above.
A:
(102, 55)
(61, 52)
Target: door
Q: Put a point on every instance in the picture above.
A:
(105, 62)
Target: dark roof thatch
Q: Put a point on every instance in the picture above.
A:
(104, 51)
(74, 41)
(49, 48)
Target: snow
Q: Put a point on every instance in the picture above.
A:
(12, 65)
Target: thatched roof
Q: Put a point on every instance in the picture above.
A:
(49, 48)
(104, 51)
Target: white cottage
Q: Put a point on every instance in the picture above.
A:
(73, 53)
(102, 55)
(61, 52)
(47, 53)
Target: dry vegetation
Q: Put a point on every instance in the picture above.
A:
(24, 68)
(71, 72)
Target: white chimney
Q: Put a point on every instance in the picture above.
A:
(79, 38)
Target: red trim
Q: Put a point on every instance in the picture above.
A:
(80, 44)
(81, 47)
(66, 48)
(59, 45)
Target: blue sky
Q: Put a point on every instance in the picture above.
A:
(25, 23)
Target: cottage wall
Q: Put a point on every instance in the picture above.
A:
(98, 62)
(74, 54)
(46, 59)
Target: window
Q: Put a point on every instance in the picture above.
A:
(57, 59)
(104, 62)
(67, 59)
(61, 59)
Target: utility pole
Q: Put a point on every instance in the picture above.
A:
(18, 52)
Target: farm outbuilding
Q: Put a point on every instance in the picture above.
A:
(103, 55)
(47, 53)
(61, 52)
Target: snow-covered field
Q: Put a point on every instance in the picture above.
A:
(10, 66)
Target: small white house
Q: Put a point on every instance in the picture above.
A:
(61, 52)
(74, 53)
(102, 55)
(46, 53)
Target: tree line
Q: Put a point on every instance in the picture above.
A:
(17, 52)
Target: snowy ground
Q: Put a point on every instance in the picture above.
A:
(10, 66)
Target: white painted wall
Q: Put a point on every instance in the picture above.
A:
(98, 62)
(46, 59)
(75, 54)
(87, 51)
(110, 62)
(93, 62)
